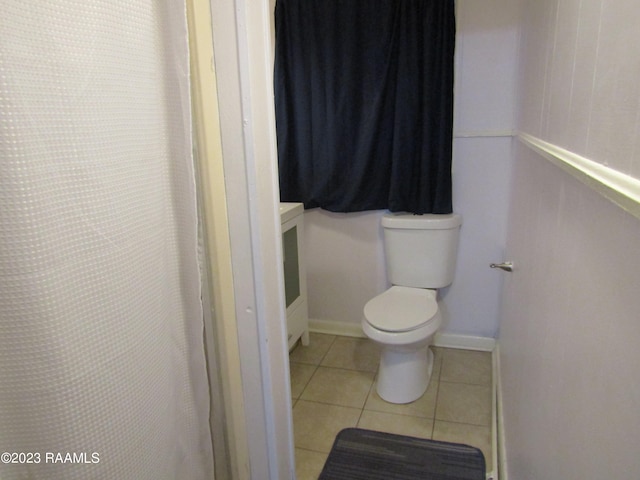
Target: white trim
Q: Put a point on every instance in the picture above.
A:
(494, 474)
(464, 342)
(227, 418)
(621, 189)
(334, 327)
(499, 450)
(247, 124)
(448, 340)
(483, 134)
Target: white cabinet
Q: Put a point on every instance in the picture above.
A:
(295, 281)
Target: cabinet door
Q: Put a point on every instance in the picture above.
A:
(291, 265)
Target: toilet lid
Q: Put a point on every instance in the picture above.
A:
(401, 308)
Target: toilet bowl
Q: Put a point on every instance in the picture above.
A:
(403, 320)
(420, 256)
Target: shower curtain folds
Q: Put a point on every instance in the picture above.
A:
(102, 362)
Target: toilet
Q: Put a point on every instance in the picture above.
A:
(420, 255)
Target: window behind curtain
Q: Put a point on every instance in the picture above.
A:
(364, 103)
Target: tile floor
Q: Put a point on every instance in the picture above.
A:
(333, 387)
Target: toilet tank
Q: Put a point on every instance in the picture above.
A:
(421, 250)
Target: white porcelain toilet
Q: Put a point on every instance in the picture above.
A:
(420, 253)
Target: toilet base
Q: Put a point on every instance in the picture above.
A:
(404, 375)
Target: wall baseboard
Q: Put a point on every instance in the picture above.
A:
(449, 340)
(334, 327)
(464, 342)
(499, 450)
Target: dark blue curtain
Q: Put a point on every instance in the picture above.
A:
(364, 103)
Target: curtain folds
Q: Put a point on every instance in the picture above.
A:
(102, 362)
(364, 103)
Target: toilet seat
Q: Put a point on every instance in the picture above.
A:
(401, 309)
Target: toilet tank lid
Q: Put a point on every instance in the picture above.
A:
(427, 221)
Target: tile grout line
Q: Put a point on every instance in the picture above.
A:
(335, 337)
(308, 381)
(488, 385)
(312, 450)
(360, 370)
(315, 365)
(330, 404)
(366, 399)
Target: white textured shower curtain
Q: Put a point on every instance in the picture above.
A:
(102, 366)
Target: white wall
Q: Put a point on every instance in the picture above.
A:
(571, 316)
(345, 263)
(344, 251)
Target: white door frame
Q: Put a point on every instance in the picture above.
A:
(242, 49)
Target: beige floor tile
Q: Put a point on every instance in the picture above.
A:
(330, 399)
(354, 354)
(466, 366)
(337, 386)
(300, 376)
(398, 424)
(424, 407)
(463, 403)
(309, 464)
(474, 435)
(317, 424)
(313, 353)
